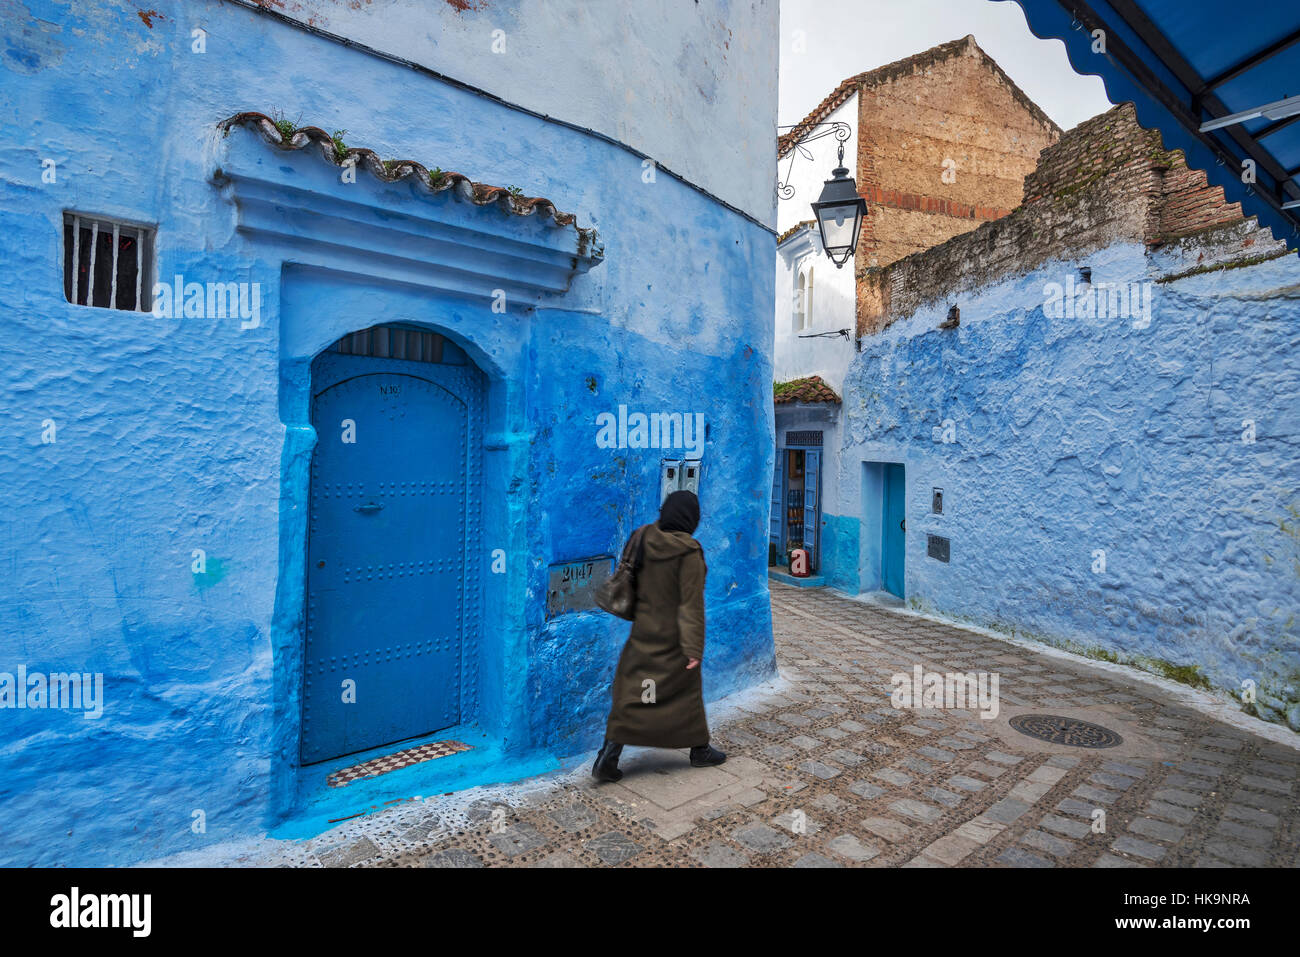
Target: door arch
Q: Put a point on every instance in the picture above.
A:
(391, 617)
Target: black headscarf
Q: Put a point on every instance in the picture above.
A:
(680, 513)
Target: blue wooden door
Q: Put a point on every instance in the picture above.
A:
(385, 560)
(776, 535)
(893, 530)
(811, 509)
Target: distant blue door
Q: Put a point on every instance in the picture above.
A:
(385, 576)
(893, 530)
(811, 511)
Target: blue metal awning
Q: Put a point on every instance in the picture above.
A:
(1220, 81)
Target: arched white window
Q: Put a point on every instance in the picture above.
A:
(800, 301)
(808, 301)
(803, 300)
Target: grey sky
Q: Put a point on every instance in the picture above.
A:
(844, 37)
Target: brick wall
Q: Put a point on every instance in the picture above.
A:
(1107, 180)
(949, 109)
(1189, 204)
(1182, 202)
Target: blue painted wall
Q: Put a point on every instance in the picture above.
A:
(841, 546)
(176, 434)
(1077, 435)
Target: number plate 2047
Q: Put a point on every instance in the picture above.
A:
(572, 585)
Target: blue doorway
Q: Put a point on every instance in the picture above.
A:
(391, 499)
(883, 542)
(893, 522)
(796, 500)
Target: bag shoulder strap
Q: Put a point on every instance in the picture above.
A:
(636, 547)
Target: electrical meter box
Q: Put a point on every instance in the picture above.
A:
(691, 476)
(670, 476)
(679, 475)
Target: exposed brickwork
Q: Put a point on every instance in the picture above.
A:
(929, 204)
(944, 142)
(1189, 204)
(1095, 148)
(918, 62)
(931, 162)
(1108, 180)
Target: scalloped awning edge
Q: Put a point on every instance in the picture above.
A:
(390, 171)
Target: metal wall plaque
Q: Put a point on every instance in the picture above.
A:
(936, 547)
(806, 439)
(572, 585)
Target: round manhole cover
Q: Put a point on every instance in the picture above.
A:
(1068, 731)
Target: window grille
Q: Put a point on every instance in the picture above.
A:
(400, 342)
(107, 263)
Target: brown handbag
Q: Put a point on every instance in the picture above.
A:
(617, 594)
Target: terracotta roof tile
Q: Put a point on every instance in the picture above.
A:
(436, 181)
(794, 229)
(808, 389)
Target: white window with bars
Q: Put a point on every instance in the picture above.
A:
(107, 263)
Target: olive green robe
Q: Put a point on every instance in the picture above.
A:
(668, 630)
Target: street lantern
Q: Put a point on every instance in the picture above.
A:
(839, 211)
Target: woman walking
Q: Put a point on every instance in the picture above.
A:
(658, 698)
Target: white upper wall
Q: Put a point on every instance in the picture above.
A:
(693, 85)
(831, 306)
(808, 176)
(833, 303)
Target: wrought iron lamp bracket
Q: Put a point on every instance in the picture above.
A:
(840, 130)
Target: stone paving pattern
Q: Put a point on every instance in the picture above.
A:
(828, 774)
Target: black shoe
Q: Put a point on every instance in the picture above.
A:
(706, 757)
(606, 766)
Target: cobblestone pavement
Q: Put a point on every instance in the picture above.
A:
(828, 774)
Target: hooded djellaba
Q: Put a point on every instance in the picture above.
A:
(666, 646)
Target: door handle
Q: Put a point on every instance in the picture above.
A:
(368, 508)
(902, 523)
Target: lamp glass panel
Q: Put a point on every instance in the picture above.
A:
(837, 225)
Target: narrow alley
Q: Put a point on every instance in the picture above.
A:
(825, 772)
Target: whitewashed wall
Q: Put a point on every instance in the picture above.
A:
(691, 84)
(807, 176)
(833, 302)
(831, 307)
